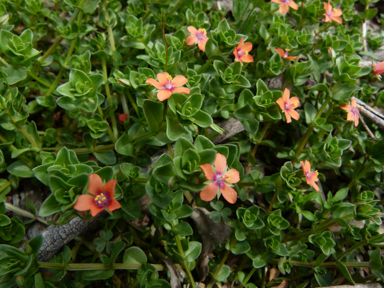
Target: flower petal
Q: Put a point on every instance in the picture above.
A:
(109, 188)
(286, 95)
(192, 29)
(287, 116)
(303, 166)
(294, 100)
(96, 210)
(164, 95)
(95, 185)
(220, 163)
(356, 120)
(154, 83)
(277, 1)
(291, 58)
(284, 8)
(247, 46)
(293, 5)
(281, 103)
(240, 43)
(232, 176)
(313, 184)
(327, 19)
(337, 12)
(350, 116)
(162, 77)
(307, 166)
(179, 80)
(201, 45)
(378, 68)
(346, 107)
(280, 51)
(84, 203)
(208, 171)
(229, 194)
(294, 114)
(181, 90)
(327, 7)
(247, 58)
(209, 192)
(191, 40)
(353, 102)
(113, 205)
(337, 19)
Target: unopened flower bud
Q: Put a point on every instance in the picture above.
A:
(20, 281)
(4, 19)
(332, 53)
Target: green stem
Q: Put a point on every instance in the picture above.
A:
(5, 186)
(56, 82)
(41, 81)
(170, 150)
(248, 276)
(262, 134)
(325, 104)
(270, 208)
(96, 266)
(13, 148)
(165, 43)
(353, 248)
(96, 149)
(51, 49)
(124, 104)
(142, 136)
(177, 6)
(325, 265)
(109, 97)
(109, 130)
(233, 242)
(304, 140)
(360, 174)
(133, 103)
(23, 212)
(184, 264)
(205, 66)
(27, 136)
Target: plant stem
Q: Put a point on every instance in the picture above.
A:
(133, 103)
(262, 134)
(28, 137)
(109, 97)
(96, 266)
(24, 213)
(165, 41)
(205, 66)
(360, 174)
(233, 242)
(270, 208)
(124, 104)
(96, 149)
(41, 81)
(304, 140)
(325, 104)
(53, 47)
(248, 276)
(170, 150)
(325, 265)
(184, 264)
(353, 248)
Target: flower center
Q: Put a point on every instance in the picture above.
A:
(101, 200)
(286, 1)
(286, 53)
(200, 35)
(220, 179)
(329, 14)
(168, 85)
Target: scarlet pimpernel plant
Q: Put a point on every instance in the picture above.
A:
(187, 144)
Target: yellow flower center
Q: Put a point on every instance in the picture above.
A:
(203, 30)
(227, 178)
(169, 77)
(100, 198)
(246, 52)
(317, 173)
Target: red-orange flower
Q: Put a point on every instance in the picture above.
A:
(285, 4)
(220, 180)
(241, 52)
(197, 35)
(310, 176)
(353, 111)
(289, 105)
(101, 198)
(122, 117)
(378, 69)
(167, 85)
(332, 14)
(284, 55)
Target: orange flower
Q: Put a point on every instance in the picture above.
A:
(378, 69)
(284, 55)
(122, 117)
(220, 180)
(353, 112)
(288, 106)
(197, 35)
(332, 14)
(167, 85)
(241, 52)
(310, 176)
(285, 4)
(102, 196)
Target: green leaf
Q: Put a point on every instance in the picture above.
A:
(174, 129)
(124, 146)
(182, 229)
(134, 255)
(264, 33)
(370, 13)
(223, 274)
(106, 157)
(239, 7)
(4, 220)
(153, 112)
(13, 75)
(32, 131)
(49, 207)
(20, 169)
(97, 274)
(310, 113)
(193, 251)
(345, 272)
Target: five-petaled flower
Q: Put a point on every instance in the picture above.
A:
(353, 111)
(101, 198)
(332, 14)
(285, 4)
(289, 105)
(284, 55)
(197, 35)
(167, 85)
(310, 176)
(220, 180)
(241, 52)
(378, 69)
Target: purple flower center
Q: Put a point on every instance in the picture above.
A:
(285, 54)
(168, 85)
(200, 36)
(329, 14)
(286, 1)
(219, 179)
(101, 200)
(355, 111)
(240, 53)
